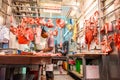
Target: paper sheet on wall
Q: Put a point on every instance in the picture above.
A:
(92, 72)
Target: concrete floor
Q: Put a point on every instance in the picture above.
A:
(62, 77)
(58, 76)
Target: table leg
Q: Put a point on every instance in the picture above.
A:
(84, 68)
(11, 73)
(39, 72)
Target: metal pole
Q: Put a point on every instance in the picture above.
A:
(33, 7)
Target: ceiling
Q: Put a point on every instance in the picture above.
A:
(46, 8)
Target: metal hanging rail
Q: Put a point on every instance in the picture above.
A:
(21, 1)
(108, 5)
(37, 16)
(111, 12)
(33, 7)
(33, 16)
(4, 13)
(28, 12)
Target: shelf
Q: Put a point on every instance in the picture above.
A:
(88, 55)
(76, 74)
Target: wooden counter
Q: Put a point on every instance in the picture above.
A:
(24, 59)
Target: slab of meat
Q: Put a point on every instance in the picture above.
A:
(24, 20)
(42, 22)
(92, 20)
(31, 20)
(96, 40)
(37, 21)
(96, 15)
(105, 45)
(88, 37)
(24, 34)
(117, 40)
(110, 27)
(50, 24)
(55, 32)
(105, 28)
(60, 23)
(22, 39)
(29, 34)
(13, 30)
(95, 31)
(118, 24)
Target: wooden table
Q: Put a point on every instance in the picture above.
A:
(24, 60)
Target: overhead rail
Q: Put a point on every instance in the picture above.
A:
(108, 5)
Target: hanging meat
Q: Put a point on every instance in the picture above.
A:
(20, 35)
(22, 39)
(110, 27)
(25, 20)
(55, 32)
(13, 30)
(88, 36)
(29, 34)
(31, 20)
(118, 24)
(96, 15)
(96, 40)
(105, 28)
(117, 40)
(37, 21)
(23, 34)
(49, 23)
(95, 31)
(105, 45)
(60, 23)
(42, 22)
(92, 20)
